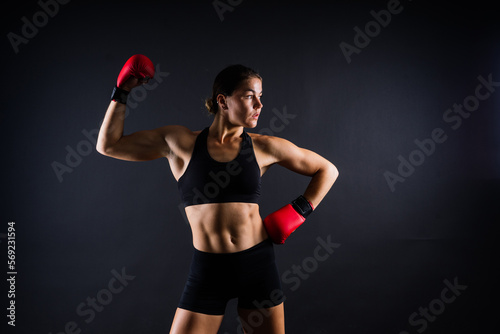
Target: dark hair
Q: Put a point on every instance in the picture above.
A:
(226, 82)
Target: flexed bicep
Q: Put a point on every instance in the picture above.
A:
(140, 146)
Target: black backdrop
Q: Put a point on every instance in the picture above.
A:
(406, 108)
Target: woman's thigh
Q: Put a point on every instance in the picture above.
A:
(188, 322)
(263, 321)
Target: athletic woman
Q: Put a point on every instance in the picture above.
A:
(218, 170)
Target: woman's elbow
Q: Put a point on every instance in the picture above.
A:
(102, 148)
(333, 171)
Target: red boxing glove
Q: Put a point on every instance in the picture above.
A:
(137, 70)
(138, 66)
(280, 224)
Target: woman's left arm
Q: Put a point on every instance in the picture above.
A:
(322, 172)
(281, 223)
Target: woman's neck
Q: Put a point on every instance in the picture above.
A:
(223, 131)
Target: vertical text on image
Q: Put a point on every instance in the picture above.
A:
(11, 273)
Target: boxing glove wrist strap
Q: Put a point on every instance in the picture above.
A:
(302, 206)
(119, 95)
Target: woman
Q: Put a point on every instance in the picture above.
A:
(218, 170)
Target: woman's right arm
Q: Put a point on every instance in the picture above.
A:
(138, 146)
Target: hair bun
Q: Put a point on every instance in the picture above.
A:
(209, 104)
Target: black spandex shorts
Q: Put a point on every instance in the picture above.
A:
(215, 278)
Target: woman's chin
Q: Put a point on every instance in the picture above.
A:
(251, 124)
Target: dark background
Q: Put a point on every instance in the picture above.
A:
(396, 248)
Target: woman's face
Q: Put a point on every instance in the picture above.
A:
(244, 105)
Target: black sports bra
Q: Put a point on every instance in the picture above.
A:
(209, 181)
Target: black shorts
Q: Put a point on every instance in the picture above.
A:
(215, 278)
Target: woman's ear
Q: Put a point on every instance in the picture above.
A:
(221, 100)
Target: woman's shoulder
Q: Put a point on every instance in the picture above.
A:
(179, 138)
(178, 131)
(267, 142)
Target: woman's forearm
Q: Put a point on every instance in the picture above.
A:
(320, 184)
(112, 127)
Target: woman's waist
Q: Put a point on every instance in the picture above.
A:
(226, 228)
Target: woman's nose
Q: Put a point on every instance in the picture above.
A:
(258, 104)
